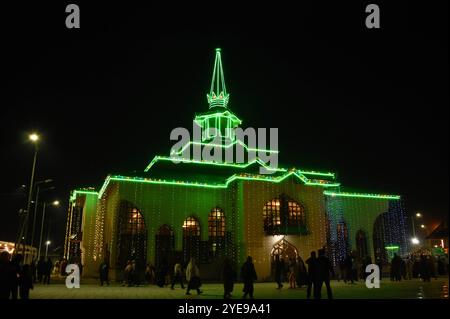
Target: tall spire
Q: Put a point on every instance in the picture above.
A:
(218, 96)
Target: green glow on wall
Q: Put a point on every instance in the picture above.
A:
(263, 178)
(227, 114)
(180, 152)
(75, 193)
(235, 165)
(376, 196)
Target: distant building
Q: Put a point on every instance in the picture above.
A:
(211, 210)
(437, 240)
(30, 252)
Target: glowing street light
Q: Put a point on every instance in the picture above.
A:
(415, 241)
(33, 137)
(46, 248)
(418, 215)
(422, 226)
(54, 203)
(23, 231)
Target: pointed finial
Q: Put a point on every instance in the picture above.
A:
(218, 95)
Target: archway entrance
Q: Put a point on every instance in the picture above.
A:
(285, 250)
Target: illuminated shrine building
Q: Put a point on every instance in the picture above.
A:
(209, 210)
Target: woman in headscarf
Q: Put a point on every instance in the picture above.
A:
(193, 277)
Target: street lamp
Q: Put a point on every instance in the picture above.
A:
(37, 186)
(46, 248)
(415, 241)
(34, 137)
(54, 203)
(422, 226)
(418, 215)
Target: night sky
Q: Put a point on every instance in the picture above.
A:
(371, 105)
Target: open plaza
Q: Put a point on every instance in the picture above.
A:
(407, 289)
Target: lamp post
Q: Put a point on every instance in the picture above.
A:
(34, 138)
(46, 248)
(55, 203)
(37, 185)
(415, 240)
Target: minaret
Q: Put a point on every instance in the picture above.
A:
(218, 96)
(218, 121)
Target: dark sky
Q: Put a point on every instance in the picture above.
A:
(371, 105)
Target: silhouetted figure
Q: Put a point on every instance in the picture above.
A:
(324, 269)
(228, 276)
(425, 273)
(149, 274)
(128, 274)
(48, 271)
(25, 282)
(312, 273)
(248, 274)
(33, 270)
(302, 273)
(8, 276)
(396, 268)
(292, 273)
(104, 273)
(193, 277)
(177, 275)
(16, 264)
(279, 269)
(40, 269)
(161, 273)
(348, 269)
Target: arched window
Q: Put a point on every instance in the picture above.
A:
(216, 232)
(191, 238)
(132, 236)
(216, 223)
(283, 215)
(135, 222)
(191, 227)
(296, 214)
(271, 213)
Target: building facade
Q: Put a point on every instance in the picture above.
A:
(211, 209)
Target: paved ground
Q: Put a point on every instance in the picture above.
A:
(388, 290)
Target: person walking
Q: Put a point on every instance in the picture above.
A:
(312, 273)
(302, 274)
(149, 274)
(8, 276)
(279, 269)
(248, 274)
(25, 282)
(33, 270)
(193, 277)
(228, 277)
(128, 274)
(177, 277)
(324, 269)
(48, 271)
(348, 269)
(104, 273)
(292, 273)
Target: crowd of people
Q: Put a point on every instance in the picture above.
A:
(17, 279)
